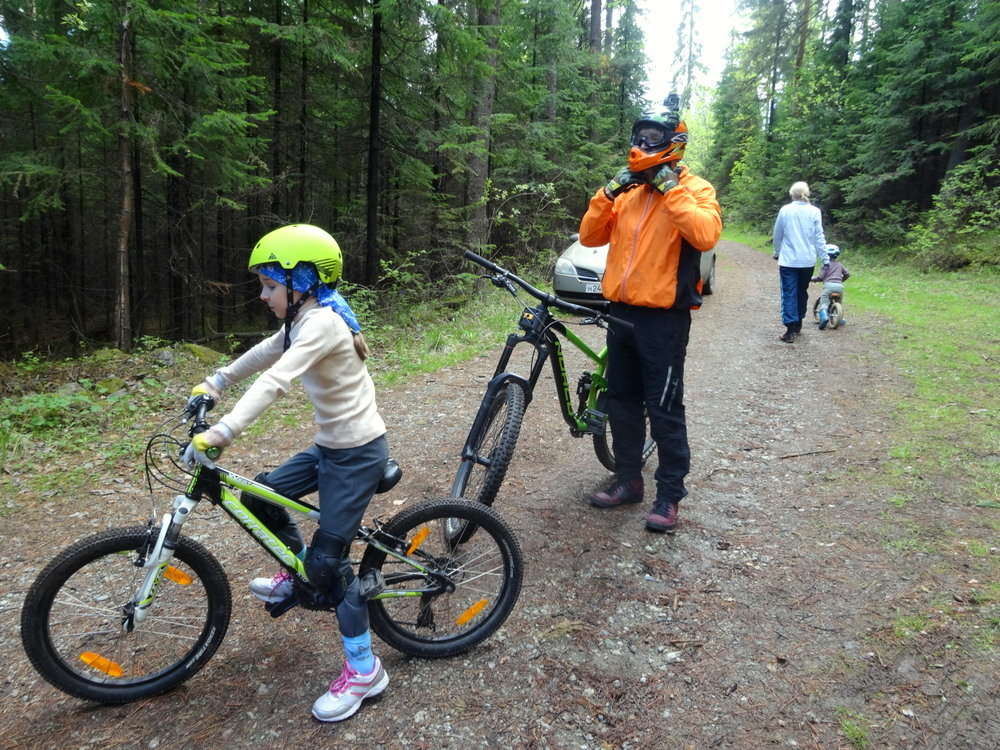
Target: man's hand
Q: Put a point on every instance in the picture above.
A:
(624, 180)
(665, 179)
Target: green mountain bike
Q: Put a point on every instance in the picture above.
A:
(490, 444)
(133, 612)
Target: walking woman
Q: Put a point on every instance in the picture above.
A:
(798, 243)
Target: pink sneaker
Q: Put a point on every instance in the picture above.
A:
(273, 589)
(344, 697)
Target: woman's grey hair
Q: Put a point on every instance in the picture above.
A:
(799, 191)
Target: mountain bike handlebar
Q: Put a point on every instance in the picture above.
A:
(504, 277)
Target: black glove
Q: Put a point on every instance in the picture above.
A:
(624, 180)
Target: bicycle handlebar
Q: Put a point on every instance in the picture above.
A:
(544, 297)
(197, 408)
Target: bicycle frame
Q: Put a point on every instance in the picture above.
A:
(220, 486)
(540, 332)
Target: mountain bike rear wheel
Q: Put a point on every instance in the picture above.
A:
(75, 622)
(457, 595)
(602, 443)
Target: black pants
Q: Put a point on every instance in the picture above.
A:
(646, 376)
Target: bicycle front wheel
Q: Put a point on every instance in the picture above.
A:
(602, 442)
(440, 598)
(78, 633)
(480, 477)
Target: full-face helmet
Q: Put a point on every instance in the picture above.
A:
(658, 137)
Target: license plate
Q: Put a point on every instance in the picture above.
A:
(593, 288)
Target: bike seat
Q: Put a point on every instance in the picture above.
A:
(835, 295)
(390, 478)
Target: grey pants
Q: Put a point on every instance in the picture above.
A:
(346, 480)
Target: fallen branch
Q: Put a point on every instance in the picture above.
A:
(809, 453)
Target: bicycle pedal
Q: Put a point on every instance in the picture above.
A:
(596, 422)
(277, 609)
(371, 583)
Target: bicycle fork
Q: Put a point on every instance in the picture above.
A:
(157, 564)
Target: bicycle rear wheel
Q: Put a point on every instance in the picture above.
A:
(602, 442)
(455, 596)
(836, 314)
(75, 625)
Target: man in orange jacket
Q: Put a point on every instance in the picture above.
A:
(658, 218)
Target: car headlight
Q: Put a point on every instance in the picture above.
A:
(565, 268)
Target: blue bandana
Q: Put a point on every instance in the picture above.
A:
(305, 280)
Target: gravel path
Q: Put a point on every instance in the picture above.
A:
(765, 621)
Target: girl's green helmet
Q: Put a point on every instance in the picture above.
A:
(300, 243)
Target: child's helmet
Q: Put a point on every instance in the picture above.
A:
(832, 251)
(669, 148)
(300, 243)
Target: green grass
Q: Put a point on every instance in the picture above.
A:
(854, 728)
(434, 337)
(940, 329)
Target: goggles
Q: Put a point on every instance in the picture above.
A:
(650, 140)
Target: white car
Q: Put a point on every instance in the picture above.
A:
(579, 270)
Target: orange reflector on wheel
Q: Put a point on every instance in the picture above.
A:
(418, 539)
(100, 663)
(471, 612)
(177, 576)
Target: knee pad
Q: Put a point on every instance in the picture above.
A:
(328, 568)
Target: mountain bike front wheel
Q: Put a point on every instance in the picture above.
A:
(602, 442)
(78, 633)
(440, 598)
(479, 478)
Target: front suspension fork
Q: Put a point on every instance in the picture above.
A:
(158, 559)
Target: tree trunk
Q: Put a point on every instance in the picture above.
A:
(374, 106)
(478, 232)
(594, 44)
(122, 320)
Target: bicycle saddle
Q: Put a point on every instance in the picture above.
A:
(390, 478)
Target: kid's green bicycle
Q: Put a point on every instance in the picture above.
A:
(490, 444)
(133, 612)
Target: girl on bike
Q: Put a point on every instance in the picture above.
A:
(320, 344)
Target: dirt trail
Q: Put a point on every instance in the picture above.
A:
(762, 622)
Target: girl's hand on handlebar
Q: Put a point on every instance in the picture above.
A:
(206, 446)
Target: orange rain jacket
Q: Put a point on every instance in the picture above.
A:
(656, 240)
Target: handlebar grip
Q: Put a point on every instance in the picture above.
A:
(214, 452)
(620, 322)
(481, 260)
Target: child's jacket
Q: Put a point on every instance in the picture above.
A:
(336, 379)
(834, 272)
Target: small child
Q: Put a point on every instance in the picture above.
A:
(321, 344)
(833, 276)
